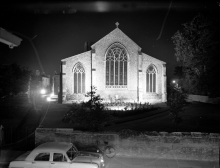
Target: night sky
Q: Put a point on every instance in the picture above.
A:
(62, 28)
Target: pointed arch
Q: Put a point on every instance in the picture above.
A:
(151, 76)
(78, 78)
(116, 59)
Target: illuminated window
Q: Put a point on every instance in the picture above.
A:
(116, 67)
(151, 80)
(79, 79)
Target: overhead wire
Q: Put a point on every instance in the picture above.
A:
(164, 21)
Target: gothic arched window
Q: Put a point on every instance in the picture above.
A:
(151, 79)
(116, 67)
(79, 78)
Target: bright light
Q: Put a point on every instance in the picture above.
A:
(42, 91)
(48, 99)
(174, 81)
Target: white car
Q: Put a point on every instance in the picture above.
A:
(57, 155)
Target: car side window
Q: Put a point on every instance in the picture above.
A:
(59, 157)
(42, 157)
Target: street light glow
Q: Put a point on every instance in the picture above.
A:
(42, 91)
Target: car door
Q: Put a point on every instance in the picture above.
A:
(59, 160)
(41, 160)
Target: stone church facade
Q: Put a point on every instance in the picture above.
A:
(118, 69)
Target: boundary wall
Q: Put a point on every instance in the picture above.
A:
(204, 99)
(175, 145)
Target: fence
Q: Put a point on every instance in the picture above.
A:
(18, 139)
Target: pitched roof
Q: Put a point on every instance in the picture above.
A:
(153, 58)
(115, 32)
(81, 54)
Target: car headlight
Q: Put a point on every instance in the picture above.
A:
(48, 99)
(43, 91)
(102, 159)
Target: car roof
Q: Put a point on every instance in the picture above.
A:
(54, 146)
(47, 147)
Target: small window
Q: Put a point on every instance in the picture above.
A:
(59, 157)
(42, 157)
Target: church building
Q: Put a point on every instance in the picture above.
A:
(118, 69)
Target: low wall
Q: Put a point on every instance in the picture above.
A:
(204, 99)
(191, 146)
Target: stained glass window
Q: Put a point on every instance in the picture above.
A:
(151, 79)
(79, 79)
(116, 67)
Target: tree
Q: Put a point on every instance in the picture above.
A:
(14, 79)
(197, 49)
(178, 72)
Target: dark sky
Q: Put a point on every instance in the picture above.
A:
(62, 27)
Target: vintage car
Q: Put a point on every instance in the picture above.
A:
(56, 155)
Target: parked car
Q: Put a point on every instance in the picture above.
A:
(58, 154)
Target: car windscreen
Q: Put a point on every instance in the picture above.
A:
(72, 153)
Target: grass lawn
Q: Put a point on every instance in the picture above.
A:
(53, 115)
(198, 117)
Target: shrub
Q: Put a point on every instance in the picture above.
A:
(176, 101)
(89, 116)
(133, 109)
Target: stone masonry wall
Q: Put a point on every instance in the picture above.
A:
(85, 60)
(132, 50)
(99, 65)
(190, 146)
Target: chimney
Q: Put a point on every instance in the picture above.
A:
(87, 46)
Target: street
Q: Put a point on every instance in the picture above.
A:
(128, 162)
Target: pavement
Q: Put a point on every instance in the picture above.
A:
(128, 162)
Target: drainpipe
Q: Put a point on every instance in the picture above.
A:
(138, 78)
(60, 96)
(91, 77)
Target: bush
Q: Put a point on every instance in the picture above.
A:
(121, 114)
(176, 100)
(90, 116)
(87, 119)
(132, 109)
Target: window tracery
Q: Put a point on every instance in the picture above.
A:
(151, 79)
(79, 79)
(116, 67)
